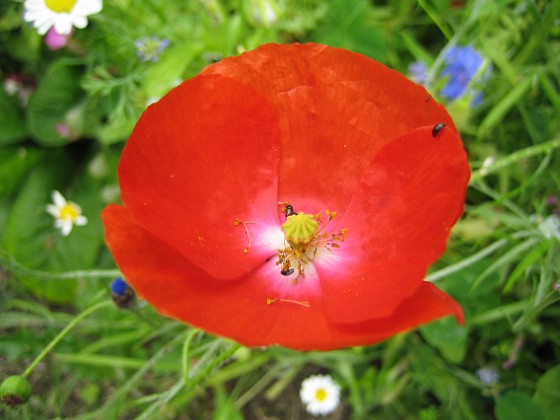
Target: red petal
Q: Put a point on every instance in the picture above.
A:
(398, 224)
(203, 157)
(239, 310)
(336, 110)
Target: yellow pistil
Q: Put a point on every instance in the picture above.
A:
(300, 229)
(69, 212)
(61, 6)
(320, 394)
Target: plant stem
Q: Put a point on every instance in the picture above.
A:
(528, 152)
(186, 347)
(436, 275)
(17, 268)
(499, 313)
(65, 331)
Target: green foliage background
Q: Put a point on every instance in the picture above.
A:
(502, 262)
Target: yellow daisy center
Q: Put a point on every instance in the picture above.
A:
(61, 6)
(69, 212)
(320, 394)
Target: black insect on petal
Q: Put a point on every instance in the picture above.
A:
(289, 210)
(287, 272)
(437, 128)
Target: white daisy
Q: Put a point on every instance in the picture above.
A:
(66, 214)
(62, 14)
(320, 394)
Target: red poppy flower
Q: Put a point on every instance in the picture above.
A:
(293, 195)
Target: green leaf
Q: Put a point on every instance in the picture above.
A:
(11, 120)
(459, 284)
(14, 164)
(547, 396)
(115, 131)
(528, 261)
(448, 337)
(225, 407)
(499, 111)
(163, 75)
(516, 405)
(348, 26)
(56, 94)
(32, 239)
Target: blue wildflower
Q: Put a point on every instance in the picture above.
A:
(149, 49)
(461, 65)
(488, 376)
(119, 286)
(122, 293)
(418, 72)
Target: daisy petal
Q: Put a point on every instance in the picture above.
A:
(88, 7)
(58, 199)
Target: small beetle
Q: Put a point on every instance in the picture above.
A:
(437, 128)
(287, 272)
(289, 210)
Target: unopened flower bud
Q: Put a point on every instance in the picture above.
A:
(122, 293)
(15, 390)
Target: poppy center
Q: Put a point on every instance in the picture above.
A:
(69, 212)
(305, 236)
(300, 229)
(61, 6)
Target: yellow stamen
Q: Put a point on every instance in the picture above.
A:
(238, 222)
(271, 301)
(69, 212)
(61, 6)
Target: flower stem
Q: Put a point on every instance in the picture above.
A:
(186, 347)
(185, 383)
(436, 275)
(15, 267)
(221, 358)
(499, 313)
(65, 331)
(531, 151)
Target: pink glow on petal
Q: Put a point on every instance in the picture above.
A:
(302, 289)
